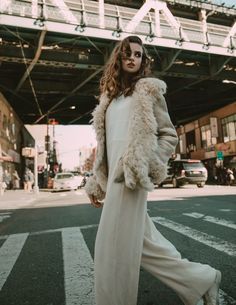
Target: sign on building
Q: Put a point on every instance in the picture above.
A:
(28, 152)
(220, 155)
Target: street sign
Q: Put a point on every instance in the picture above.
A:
(219, 155)
(28, 152)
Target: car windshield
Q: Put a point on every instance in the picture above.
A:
(192, 165)
(76, 174)
(64, 176)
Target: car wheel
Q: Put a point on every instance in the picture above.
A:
(175, 183)
(201, 184)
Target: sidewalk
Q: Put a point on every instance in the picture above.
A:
(13, 198)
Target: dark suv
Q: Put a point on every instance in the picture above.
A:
(186, 171)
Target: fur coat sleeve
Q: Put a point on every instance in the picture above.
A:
(166, 133)
(92, 187)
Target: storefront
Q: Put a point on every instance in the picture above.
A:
(212, 139)
(13, 136)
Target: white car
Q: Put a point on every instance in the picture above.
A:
(79, 178)
(65, 181)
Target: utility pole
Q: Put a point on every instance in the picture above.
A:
(36, 187)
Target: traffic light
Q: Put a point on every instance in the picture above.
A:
(52, 122)
(47, 143)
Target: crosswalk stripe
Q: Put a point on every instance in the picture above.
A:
(194, 215)
(204, 238)
(78, 268)
(9, 253)
(78, 263)
(225, 299)
(218, 221)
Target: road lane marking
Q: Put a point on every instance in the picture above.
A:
(85, 227)
(194, 215)
(78, 268)
(9, 253)
(4, 216)
(218, 221)
(209, 240)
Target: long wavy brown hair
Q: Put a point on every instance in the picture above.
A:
(112, 82)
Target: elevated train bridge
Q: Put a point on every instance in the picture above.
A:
(52, 53)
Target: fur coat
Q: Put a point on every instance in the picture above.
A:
(151, 136)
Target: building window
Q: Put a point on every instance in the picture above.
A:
(4, 123)
(182, 143)
(229, 128)
(13, 129)
(8, 129)
(207, 139)
(190, 141)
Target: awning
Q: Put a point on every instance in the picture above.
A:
(5, 157)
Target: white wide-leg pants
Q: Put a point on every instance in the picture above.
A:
(159, 257)
(127, 237)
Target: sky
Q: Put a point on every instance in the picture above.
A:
(70, 140)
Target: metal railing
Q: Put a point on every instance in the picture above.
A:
(83, 13)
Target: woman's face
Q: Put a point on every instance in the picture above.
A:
(131, 60)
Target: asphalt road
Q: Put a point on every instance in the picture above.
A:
(47, 243)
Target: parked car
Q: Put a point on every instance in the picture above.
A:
(79, 178)
(186, 171)
(65, 181)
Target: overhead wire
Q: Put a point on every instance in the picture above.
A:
(30, 79)
(17, 35)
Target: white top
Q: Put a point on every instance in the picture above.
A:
(117, 124)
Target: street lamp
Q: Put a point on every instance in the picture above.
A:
(73, 107)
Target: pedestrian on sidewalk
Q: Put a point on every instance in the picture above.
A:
(16, 180)
(7, 179)
(3, 187)
(230, 176)
(135, 140)
(30, 181)
(26, 179)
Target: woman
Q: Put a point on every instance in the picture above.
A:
(16, 180)
(135, 140)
